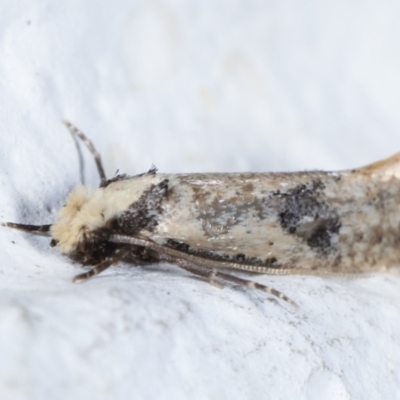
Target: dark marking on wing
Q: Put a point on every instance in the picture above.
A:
(303, 212)
(321, 236)
(299, 202)
(318, 234)
(144, 213)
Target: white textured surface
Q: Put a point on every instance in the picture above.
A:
(191, 86)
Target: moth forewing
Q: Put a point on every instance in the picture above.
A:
(319, 223)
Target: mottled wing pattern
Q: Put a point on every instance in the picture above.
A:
(311, 220)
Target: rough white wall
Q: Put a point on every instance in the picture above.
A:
(225, 85)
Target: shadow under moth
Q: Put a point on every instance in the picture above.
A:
(212, 224)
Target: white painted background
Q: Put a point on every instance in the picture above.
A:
(212, 85)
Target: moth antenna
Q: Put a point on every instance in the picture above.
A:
(197, 265)
(209, 263)
(43, 230)
(145, 242)
(88, 143)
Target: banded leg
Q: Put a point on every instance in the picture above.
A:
(97, 158)
(255, 285)
(196, 265)
(94, 271)
(114, 259)
(213, 274)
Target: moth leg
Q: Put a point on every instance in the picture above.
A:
(196, 265)
(97, 158)
(43, 230)
(209, 274)
(94, 271)
(212, 279)
(118, 256)
(213, 275)
(255, 285)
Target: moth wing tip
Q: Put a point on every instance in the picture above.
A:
(381, 165)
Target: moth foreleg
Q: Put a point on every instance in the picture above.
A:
(114, 259)
(97, 158)
(94, 271)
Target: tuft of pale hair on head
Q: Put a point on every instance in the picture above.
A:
(75, 201)
(65, 231)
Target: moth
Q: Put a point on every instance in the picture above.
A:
(213, 224)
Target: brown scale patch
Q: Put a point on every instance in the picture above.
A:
(200, 196)
(224, 216)
(219, 213)
(212, 198)
(248, 188)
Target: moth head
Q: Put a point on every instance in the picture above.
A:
(88, 216)
(79, 230)
(84, 225)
